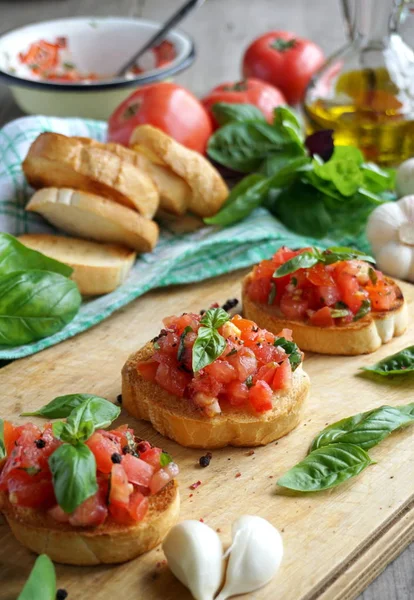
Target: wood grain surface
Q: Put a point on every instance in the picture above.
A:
(221, 30)
(336, 542)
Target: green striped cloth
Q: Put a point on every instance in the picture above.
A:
(177, 259)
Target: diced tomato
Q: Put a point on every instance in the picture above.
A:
(222, 371)
(245, 325)
(382, 295)
(206, 384)
(119, 488)
(320, 276)
(285, 333)
(244, 362)
(282, 377)
(148, 369)
(180, 323)
(284, 254)
(34, 491)
(259, 286)
(293, 306)
(91, 513)
(123, 432)
(329, 294)
(260, 397)
(12, 464)
(159, 480)
(172, 379)
(266, 373)
(41, 56)
(152, 457)
(322, 318)
(57, 513)
(137, 470)
(103, 448)
(138, 506)
(349, 287)
(237, 393)
(11, 435)
(266, 353)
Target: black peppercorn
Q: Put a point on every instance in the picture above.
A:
(204, 461)
(116, 458)
(40, 443)
(119, 398)
(61, 594)
(229, 304)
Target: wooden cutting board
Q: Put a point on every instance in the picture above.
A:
(336, 542)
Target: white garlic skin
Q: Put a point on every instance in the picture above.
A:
(255, 556)
(404, 179)
(195, 555)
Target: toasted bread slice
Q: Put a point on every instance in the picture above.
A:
(93, 217)
(360, 337)
(55, 160)
(173, 190)
(179, 420)
(97, 268)
(209, 191)
(108, 543)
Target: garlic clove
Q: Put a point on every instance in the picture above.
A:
(383, 224)
(396, 260)
(195, 555)
(404, 180)
(255, 556)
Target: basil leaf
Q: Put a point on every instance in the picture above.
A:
(399, 363)
(376, 179)
(295, 356)
(243, 146)
(15, 256)
(326, 468)
(288, 162)
(366, 429)
(225, 113)
(247, 195)
(337, 313)
(249, 381)
(286, 120)
(364, 310)
(41, 584)
(208, 346)
(181, 345)
(165, 459)
(342, 169)
(35, 304)
(94, 413)
(338, 253)
(305, 260)
(215, 317)
(2, 446)
(74, 475)
(60, 407)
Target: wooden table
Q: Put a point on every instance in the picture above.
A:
(222, 28)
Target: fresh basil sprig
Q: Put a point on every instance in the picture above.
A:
(15, 256)
(41, 584)
(400, 363)
(2, 445)
(209, 344)
(35, 304)
(73, 468)
(225, 112)
(366, 429)
(295, 356)
(312, 257)
(60, 407)
(325, 468)
(93, 413)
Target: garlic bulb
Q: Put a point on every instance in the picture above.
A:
(404, 179)
(195, 556)
(390, 230)
(255, 556)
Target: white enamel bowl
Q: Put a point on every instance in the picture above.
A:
(97, 44)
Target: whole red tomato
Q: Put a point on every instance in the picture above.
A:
(284, 60)
(167, 106)
(248, 91)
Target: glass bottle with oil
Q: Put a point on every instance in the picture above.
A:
(365, 92)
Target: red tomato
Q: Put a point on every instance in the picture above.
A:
(319, 275)
(237, 393)
(103, 448)
(138, 506)
(329, 294)
(349, 287)
(283, 60)
(91, 513)
(172, 379)
(152, 456)
(222, 371)
(11, 434)
(147, 369)
(137, 470)
(382, 295)
(120, 489)
(248, 91)
(245, 363)
(260, 397)
(159, 480)
(322, 318)
(167, 106)
(41, 56)
(282, 377)
(293, 306)
(34, 491)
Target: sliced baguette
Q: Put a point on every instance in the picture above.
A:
(97, 268)
(93, 217)
(173, 190)
(55, 160)
(209, 191)
(179, 420)
(108, 543)
(360, 337)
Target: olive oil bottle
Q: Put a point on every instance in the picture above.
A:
(365, 92)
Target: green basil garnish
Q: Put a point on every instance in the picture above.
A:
(310, 258)
(2, 446)
(249, 381)
(364, 310)
(41, 584)
(35, 304)
(272, 293)
(295, 356)
(60, 407)
(366, 429)
(372, 275)
(305, 260)
(225, 113)
(73, 469)
(326, 468)
(215, 317)
(15, 256)
(94, 413)
(337, 313)
(181, 345)
(399, 363)
(208, 346)
(165, 459)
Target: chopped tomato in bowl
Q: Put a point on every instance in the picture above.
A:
(330, 292)
(128, 472)
(249, 365)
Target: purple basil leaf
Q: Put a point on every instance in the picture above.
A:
(321, 143)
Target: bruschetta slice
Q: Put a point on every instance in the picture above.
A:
(208, 381)
(135, 505)
(335, 301)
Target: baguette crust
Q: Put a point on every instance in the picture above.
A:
(209, 191)
(179, 420)
(55, 160)
(97, 268)
(93, 217)
(361, 337)
(108, 543)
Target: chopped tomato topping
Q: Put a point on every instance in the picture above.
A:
(322, 318)
(148, 369)
(119, 489)
(260, 396)
(137, 470)
(103, 448)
